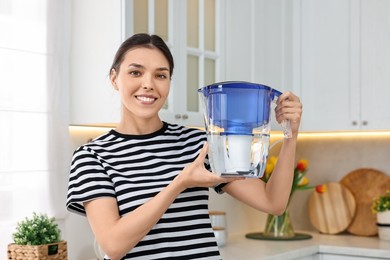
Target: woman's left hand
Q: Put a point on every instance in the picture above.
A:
(289, 107)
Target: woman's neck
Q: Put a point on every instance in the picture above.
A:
(139, 126)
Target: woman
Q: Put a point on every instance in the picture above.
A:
(144, 186)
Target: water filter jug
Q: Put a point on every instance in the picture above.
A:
(237, 121)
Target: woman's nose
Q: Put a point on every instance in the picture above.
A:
(147, 83)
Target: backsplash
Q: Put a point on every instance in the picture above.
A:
(333, 157)
(330, 156)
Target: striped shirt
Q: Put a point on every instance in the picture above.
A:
(133, 169)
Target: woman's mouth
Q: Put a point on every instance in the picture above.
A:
(146, 99)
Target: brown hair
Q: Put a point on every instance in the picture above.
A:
(142, 40)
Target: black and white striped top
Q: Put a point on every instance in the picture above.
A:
(133, 169)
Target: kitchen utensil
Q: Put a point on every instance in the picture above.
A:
(332, 211)
(236, 116)
(365, 184)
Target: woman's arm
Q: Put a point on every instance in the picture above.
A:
(118, 235)
(272, 197)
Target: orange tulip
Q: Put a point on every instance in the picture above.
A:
(302, 165)
(321, 188)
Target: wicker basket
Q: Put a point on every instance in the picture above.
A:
(55, 251)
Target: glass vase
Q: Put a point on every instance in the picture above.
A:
(279, 226)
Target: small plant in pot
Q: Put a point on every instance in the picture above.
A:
(38, 237)
(381, 207)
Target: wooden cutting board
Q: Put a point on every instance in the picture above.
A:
(365, 184)
(332, 211)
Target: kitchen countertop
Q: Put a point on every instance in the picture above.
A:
(240, 247)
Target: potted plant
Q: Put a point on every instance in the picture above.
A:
(37, 238)
(381, 207)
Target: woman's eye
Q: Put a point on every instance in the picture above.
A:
(162, 76)
(135, 73)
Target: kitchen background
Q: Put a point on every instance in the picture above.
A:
(332, 54)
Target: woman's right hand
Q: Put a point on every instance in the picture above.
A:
(196, 175)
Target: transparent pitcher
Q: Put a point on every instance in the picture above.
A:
(237, 122)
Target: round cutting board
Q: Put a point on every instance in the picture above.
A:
(365, 184)
(332, 211)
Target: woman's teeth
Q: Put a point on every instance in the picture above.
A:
(145, 99)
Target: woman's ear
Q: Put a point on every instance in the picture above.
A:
(113, 79)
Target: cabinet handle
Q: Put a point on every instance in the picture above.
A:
(178, 116)
(354, 123)
(365, 122)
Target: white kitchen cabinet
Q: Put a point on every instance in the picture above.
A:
(375, 64)
(95, 37)
(332, 53)
(341, 63)
(258, 42)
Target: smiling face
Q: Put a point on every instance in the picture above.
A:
(143, 81)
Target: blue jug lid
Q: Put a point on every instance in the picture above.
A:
(238, 106)
(220, 86)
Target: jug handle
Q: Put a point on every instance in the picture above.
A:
(286, 127)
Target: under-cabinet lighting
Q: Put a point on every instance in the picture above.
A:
(274, 134)
(337, 134)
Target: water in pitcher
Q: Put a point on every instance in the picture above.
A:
(238, 155)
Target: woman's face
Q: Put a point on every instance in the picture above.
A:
(143, 82)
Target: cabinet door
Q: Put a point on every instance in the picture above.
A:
(343, 64)
(327, 65)
(96, 35)
(258, 42)
(375, 64)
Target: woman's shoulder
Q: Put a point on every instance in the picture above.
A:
(103, 140)
(175, 129)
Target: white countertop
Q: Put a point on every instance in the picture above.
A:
(240, 247)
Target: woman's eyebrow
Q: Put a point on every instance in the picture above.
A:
(136, 65)
(163, 69)
(142, 67)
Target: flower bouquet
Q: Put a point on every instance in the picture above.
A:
(300, 182)
(280, 226)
